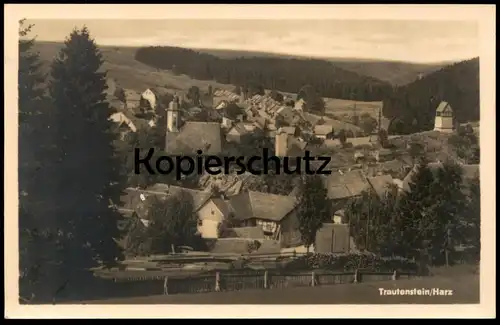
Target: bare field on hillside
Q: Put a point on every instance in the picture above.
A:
(129, 73)
(340, 107)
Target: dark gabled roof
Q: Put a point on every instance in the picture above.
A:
(258, 205)
(222, 205)
(193, 136)
(132, 198)
(346, 184)
(380, 184)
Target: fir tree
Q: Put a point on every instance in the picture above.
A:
(313, 208)
(415, 209)
(449, 204)
(35, 138)
(472, 218)
(88, 173)
(172, 222)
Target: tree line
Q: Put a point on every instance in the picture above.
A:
(69, 172)
(287, 75)
(427, 222)
(413, 106)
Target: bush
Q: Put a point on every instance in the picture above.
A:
(351, 262)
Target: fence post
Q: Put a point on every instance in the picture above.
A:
(395, 275)
(356, 276)
(313, 279)
(266, 279)
(165, 286)
(217, 281)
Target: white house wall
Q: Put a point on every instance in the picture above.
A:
(210, 217)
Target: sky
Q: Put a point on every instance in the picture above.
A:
(412, 41)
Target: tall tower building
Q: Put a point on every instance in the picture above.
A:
(173, 115)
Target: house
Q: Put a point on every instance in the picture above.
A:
(221, 95)
(211, 215)
(153, 96)
(342, 186)
(443, 121)
(274, 214)
(288, 145)
(132, 99)
(149, 96)
(124, 124)
(231, 113)
(300, 105)
(286, 113)
(239, 132)
(191, 136)
(333, 238)
(323, 131)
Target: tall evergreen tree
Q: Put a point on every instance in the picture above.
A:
(450, 202)
(415, 209)
(34, 146)
(89, 177)
(313, 208)
(472, 218)
(172, 222)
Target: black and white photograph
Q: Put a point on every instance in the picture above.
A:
(251, 160)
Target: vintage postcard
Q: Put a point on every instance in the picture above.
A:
(317, 161)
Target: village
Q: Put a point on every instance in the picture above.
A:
(370, 165)
(400, 201)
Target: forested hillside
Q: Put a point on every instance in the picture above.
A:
(394, 72)
(414, 105)
(287, 75)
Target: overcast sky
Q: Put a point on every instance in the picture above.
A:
(414, 41)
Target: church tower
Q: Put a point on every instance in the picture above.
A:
(173, 115)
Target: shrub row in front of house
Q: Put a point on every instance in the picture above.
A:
(353, 261)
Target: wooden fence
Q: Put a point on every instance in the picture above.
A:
(231, 281)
